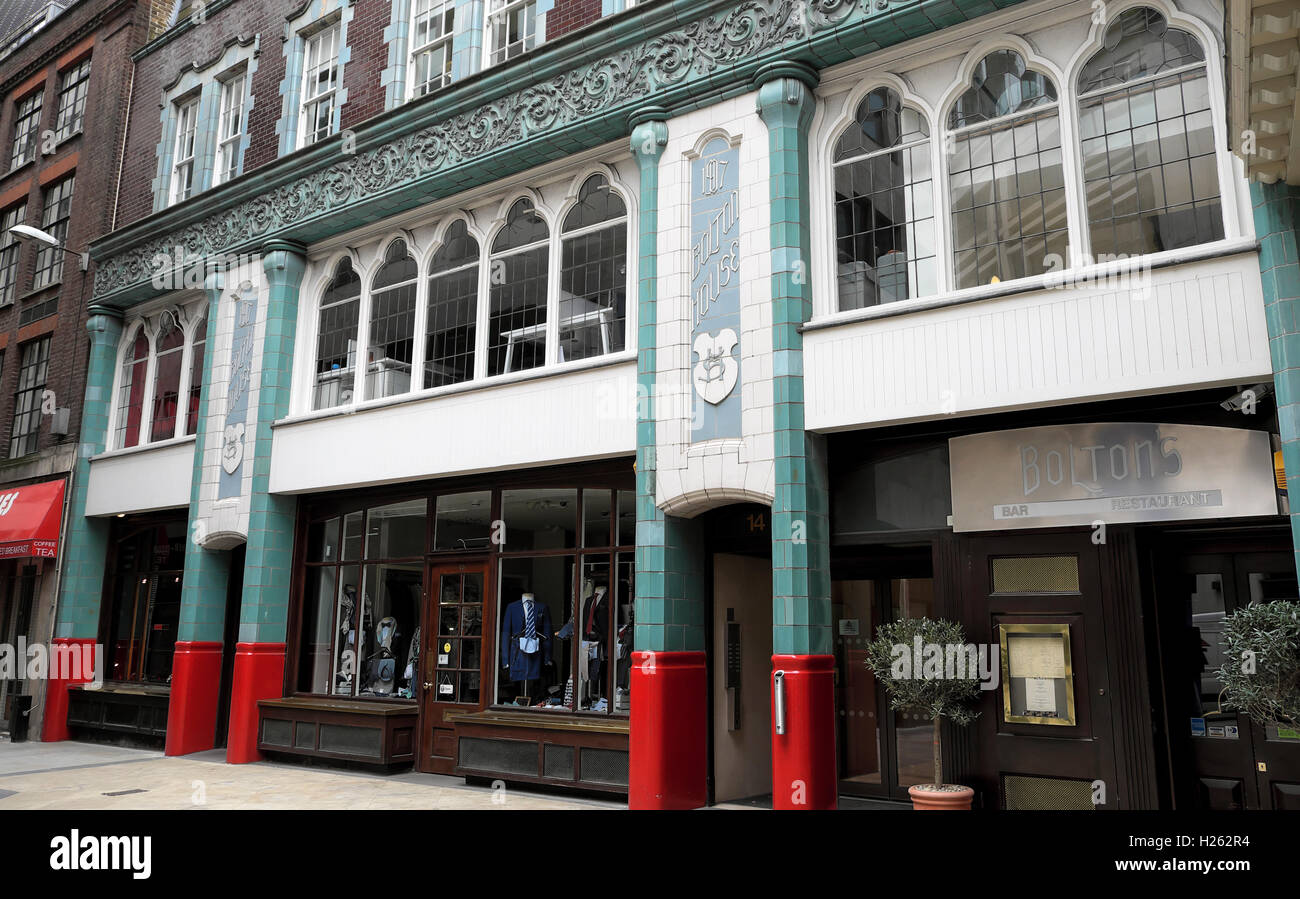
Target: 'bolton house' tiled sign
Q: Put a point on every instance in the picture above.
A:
(715, 292)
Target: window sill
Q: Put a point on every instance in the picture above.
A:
(1080, 277)
(143, 448)
(19, 167)
(378, 705)
(52, 287)
(139, 688)
(500, 716)
(496, 381)
(59, 142)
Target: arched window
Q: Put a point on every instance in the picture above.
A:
(196, 375)
(392, 324)
(1150, 171)
(170, 353)
(517, 295)
(593, 274)
(1004, 174)
(130, 397)
(884, 204)
(336, 339)
(453, 309)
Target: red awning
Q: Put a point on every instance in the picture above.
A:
(29, 520)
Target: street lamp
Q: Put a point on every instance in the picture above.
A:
(27, 232)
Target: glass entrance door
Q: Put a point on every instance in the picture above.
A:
(881, 751)
(1220, 759)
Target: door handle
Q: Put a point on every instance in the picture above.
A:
(778, 701)
(428, 686)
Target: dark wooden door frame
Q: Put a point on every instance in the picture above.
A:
(430, 711)
(1086, 750)
(882, 564)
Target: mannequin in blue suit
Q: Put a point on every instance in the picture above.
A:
(523, 666)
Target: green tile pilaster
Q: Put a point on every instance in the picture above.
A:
(203, 592)
(669, 550)
(264, 606)
(85, 546)
(1277, 218)
(801, 589)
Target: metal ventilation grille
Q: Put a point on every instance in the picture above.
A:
(1023, 793)
(504, 756)
(1036, 574)
(558, 762)
(604, 766)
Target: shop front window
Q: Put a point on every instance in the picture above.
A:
(553, 615)
(144, 611)
(564, 634)
(363, 602)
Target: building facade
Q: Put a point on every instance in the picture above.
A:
(572, 389)
(66, 73)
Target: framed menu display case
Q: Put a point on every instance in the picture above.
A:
(1037, 674)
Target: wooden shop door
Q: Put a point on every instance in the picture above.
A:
(1065, 757)
(451, 658)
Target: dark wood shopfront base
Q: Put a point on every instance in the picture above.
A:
(543, 748)
(119, 712)
(380, 734)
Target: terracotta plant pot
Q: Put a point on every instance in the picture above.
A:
(952, 799)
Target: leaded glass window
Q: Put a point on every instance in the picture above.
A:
(884, 204)
(453, 309)
(392, 324)
(517, 293)
(336, 339)
(1150, 169)
(593, 274)
(1005, 174)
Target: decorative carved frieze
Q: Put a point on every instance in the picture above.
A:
(611, 85)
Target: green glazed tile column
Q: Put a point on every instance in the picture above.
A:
(1277, 218)
(801, 605)
(669, 550)
(86, 545)
(203, 592)
(264, 606)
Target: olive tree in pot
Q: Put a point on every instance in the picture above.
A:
(1260, 673)
(908, 657)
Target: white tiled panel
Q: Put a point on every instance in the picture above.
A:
(1198, 325)
(143, 480)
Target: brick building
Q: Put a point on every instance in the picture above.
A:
(565, 392)
(63, 100)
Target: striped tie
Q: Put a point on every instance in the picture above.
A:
(530, 629)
